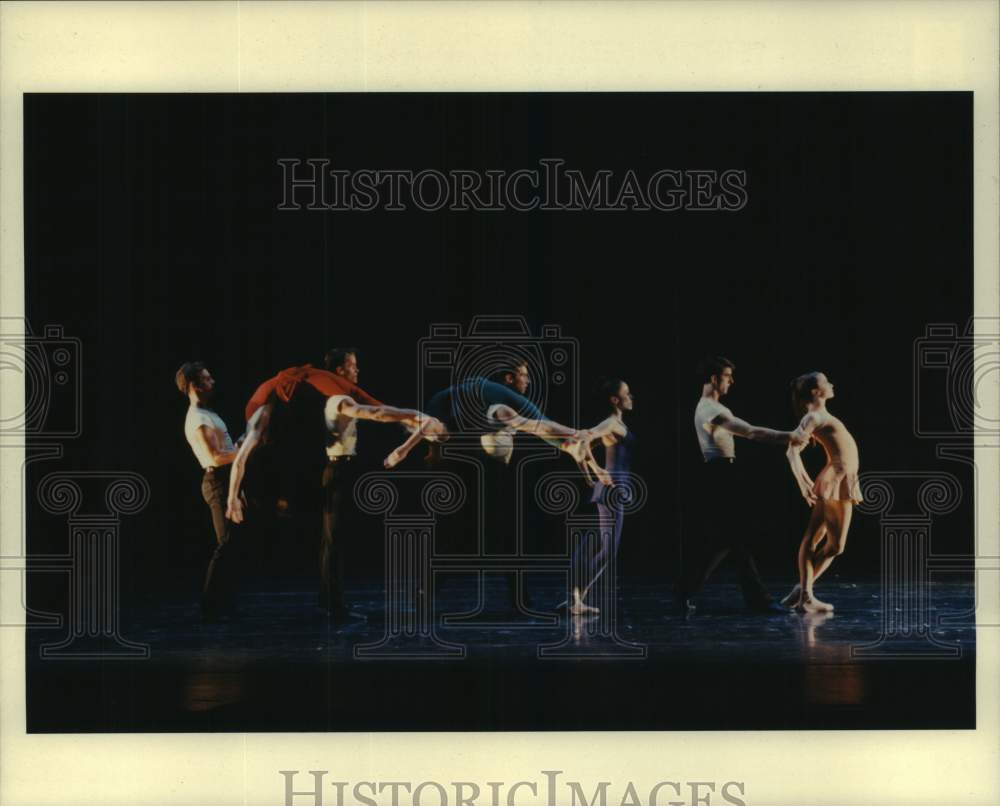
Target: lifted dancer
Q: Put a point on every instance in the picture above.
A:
(280, 389)
(832, 496)
(341, 412)
(499, 411)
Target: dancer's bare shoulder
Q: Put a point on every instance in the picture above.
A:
(618, 431)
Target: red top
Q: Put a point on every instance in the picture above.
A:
(287, 381)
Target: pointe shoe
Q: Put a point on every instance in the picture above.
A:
(808, 604)
(393, 459)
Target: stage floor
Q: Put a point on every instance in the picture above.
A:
(282, 666)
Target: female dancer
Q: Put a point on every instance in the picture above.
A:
(619, 442)
(832, 496)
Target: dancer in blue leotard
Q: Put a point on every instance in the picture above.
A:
(591, 558)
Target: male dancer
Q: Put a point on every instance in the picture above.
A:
(498, 479)
(497, 410)
(213, 448)
(720, 497)
(340, 414)
(341, 410)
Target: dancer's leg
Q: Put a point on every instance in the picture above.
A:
(610, 525)
(331, 565)
(835, 545)
(815, 532)
(582, 565)
(704, 539)
(219, 587)
(816, 553)
(428, 428)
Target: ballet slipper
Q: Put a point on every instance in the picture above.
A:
(810, 604)
(394, 458)
(793, 597)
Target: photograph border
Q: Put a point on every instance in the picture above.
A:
(482, 46)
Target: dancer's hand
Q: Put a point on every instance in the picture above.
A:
(798, 439)
(234, 508)
(806, 488)
(579, 449)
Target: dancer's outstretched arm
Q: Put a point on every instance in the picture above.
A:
(802, 435)
(507, 416)
(380, 413)
(611, 427)
(421, 424)
(257, 428)
(575, 442)
(742, 428)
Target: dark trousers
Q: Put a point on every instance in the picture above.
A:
(717, 529)
(338, 481)
(220, 578)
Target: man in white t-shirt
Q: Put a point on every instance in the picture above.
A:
(341, 414)
(213, 448)
(720, 497)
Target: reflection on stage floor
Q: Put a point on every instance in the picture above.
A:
(475, 662)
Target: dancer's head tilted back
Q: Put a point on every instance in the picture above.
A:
(614, 395)
(717, 374)
(342, 361)
(195, 382)
(807, 388)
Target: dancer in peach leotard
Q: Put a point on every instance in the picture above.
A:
(832, 495)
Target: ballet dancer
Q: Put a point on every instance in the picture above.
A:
(832, 496)
(342, 396)
(720, 498)
(500, 411)
(619, 443)
(212, 446)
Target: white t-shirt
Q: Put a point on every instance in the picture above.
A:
(715, 442)
(197, 417)
(343, 430)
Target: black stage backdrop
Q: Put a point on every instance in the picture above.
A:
(153, 236)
